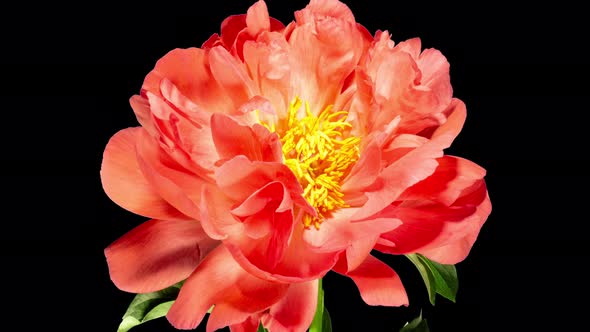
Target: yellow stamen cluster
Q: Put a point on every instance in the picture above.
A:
(315, 149)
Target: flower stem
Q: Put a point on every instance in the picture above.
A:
(316, 324)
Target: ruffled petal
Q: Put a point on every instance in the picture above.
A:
(256, 143)
(377, 282)
(457, 238)
(340, 231)
(220, 281)
(239, 177)
(295, 311)
(177, 186)
(124, 182)
(450, 178)
(157, 254)
(267, 60)
(189, 70)
(300, 262)
(324, 51)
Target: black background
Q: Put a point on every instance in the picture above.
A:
(69, 70)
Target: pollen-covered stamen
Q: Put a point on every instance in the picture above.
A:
(315, 149)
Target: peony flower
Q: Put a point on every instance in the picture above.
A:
(274, 154)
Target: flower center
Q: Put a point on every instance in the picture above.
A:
(315, 149)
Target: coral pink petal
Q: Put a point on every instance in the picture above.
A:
(257, 19)
(184, 138)
(256, 143)
(339, 231)
(180, 188)
(447, 132)
(365, 171)
(378, 283)
(295, 311)
(323, 54)
(215, 216)
(124, 182)
(318, 9)
(157, 254)
(220, 281)
(267, 60)
(231, 75)
(189, 70)
(239, 177)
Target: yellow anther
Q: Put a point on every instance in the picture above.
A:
(318, 151)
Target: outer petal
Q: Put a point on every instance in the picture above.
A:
(124, 183)
(189, 70)
(456, 239)
(452, 175)
(249, 325)
(176, 185)
(377, 283)
(157, 254)
(295, 311)
(220, 281)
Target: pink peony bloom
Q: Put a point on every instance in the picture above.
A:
(274, 154)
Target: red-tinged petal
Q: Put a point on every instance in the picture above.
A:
(456, 238)
(295, 311)
(239, 177)
(124, 182)
(189, 70)
(220, 281)
(249, 325)
(412, 168)
(428, 224)
(452, 175)
(230, 28)
(378, 283)
(157, 254)
(177, 186)
(259, 211)
(317, 9)
(299, 263)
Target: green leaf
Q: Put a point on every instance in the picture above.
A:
(326, 321)
(416, 325)
(261, 328)
(148, 306)
(317, 325)
(439, 278)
